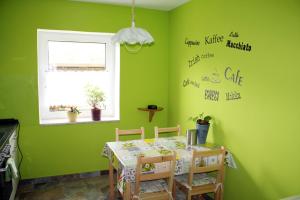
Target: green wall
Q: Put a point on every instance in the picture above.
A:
(65, 149)
(260, 129)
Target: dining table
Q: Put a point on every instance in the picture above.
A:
(122, 156)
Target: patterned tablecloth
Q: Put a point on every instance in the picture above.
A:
(124, 156)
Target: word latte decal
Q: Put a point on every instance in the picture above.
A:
(190, 43)
(190, 82)
(238, 45)
(212, 95)
(233, 34)
(214, 39)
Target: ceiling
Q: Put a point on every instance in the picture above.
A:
(152, 4)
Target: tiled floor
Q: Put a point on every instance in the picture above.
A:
(93, 188)
(66, 188)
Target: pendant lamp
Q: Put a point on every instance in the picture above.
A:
(133, 35)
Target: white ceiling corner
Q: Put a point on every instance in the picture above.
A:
(151, 4)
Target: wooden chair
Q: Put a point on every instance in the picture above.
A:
(206, 174)
(140, 131)
(158, 185)
(159, 131)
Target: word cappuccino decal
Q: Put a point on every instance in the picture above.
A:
(191, 43)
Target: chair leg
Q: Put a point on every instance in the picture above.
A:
(174, 190)
(111, 181)
(219, 194)
(188, 196)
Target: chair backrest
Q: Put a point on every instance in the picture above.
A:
(120, 132)
(208, 161)
(166, 174)
(158, 131)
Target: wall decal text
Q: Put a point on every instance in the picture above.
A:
(233, 76)
(190, 82)
(191, 43)
(233, 96)
(194, 60)
(212, 95)
(207, 55)
(215, 38)
(238, 45)
(213, 78)
(233, 34)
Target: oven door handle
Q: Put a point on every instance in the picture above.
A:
(4, 169)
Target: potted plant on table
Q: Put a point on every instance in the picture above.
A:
(95, 98)
(202, 126)
(73, 113)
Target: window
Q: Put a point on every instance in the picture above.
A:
(68, 61)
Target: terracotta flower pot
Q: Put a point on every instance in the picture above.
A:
(96, 114)
(72, 116)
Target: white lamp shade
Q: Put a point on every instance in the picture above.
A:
(133, 36)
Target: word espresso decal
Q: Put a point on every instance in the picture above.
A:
(190, 82)
(233, 96)
(212, 95)
(191, 43)
(238, 45)
(213, 39)
(194, 60)
(235, 77)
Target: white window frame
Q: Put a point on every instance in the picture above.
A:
(112, 61)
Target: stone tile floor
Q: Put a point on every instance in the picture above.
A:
(75, 188)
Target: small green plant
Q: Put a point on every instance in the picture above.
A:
(201, 119)
(95, 96)
(74, 109)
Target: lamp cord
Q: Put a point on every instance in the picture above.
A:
(132, 14)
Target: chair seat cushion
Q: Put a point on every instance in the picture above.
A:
(152, 186)
(198, 179)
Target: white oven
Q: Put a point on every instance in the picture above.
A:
(9, 174)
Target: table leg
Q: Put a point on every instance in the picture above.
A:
(127, 192)
(111, 181)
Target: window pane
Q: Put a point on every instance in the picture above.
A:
(76, 55)
(68, 61)
(68, 88)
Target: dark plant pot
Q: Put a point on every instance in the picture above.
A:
(96, 114)
(202, 130)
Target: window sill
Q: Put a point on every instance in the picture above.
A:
(79, 121)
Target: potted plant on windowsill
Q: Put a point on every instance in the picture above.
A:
(73, 113)
(95, 98)
(202, 126)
